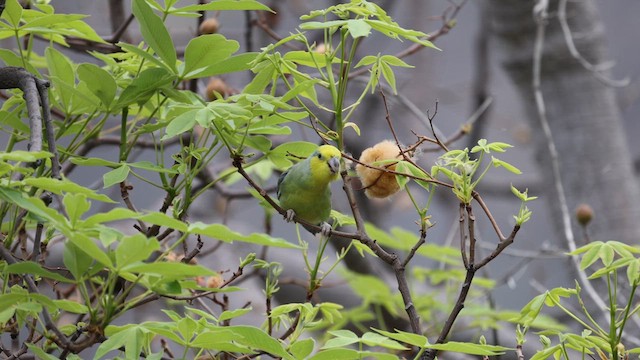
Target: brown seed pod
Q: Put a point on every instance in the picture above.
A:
(216, 88)
(209, 26)
(377, 183)
(584, 214)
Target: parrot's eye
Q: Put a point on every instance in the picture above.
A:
(319, 156)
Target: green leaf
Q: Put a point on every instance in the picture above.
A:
(633, 272)
(24, 156)
(154, 32)
(57, 186)
(147, 83)
(531, 310)
(258, 339)
(301, 88)
(116, 175)
(316, 25)
(353, 126)
(358, 28)
(300, 149)
(394, 61)
(76, 205)
(341, 338)
(220, 339)
(86, 245)
(181, 123)
(99, 82)
(470, 348)
(129, 338)
(159, 218)
(405, 337)
(111, 215)
(388, 74)
(592, 255)
(93, 162)
(218, 5)
(367, 60)
(223, 233)
(506, 165)
(40, 353)
(306, 58)
(149, 166)
(205, 51)
(61, 72)
(499, 147)
(170, 270)
(30, 267)
(402, 168)
(33, 205)
(144, 54)
(75, 260)
(71, 306)
(232, 314)
(12, 13)
(373, 339)
(302, 348)
(135, 248)
(332, 354)
(236, 63)
(51, 19)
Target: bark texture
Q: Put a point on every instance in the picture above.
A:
(582, 111)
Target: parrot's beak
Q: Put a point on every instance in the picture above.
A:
(334, 165)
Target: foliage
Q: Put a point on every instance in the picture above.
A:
(607, 261)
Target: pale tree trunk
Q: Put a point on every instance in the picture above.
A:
(582, 113)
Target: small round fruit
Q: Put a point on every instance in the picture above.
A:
(209, 26)
(216, 88)
(378, 183)
(584, 214)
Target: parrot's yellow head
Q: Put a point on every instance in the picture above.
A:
(325, 164)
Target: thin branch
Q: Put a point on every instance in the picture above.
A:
(597, 70)
(43, 91)
(448, 22)
(124, 194)
(60, 339)
(540, 15)
(12, 77)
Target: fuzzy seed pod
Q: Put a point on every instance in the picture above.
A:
(215, 281)
(377, 183)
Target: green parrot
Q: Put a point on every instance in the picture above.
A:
(303, 189)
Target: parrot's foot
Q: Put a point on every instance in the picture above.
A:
(289, 215)
(325, 229)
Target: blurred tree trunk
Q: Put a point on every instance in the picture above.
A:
(582, 111)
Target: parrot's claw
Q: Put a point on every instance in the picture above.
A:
(325, 229)
(289, 215)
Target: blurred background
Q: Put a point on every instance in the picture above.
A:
(486, 58)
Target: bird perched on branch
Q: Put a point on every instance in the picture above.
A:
(303, 190)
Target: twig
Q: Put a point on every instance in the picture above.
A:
(187, 258)
(60, 338)
(124, 193)
(540, 18)
(448, 22)
(597, 70)
(433, 130)
(43, 92)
